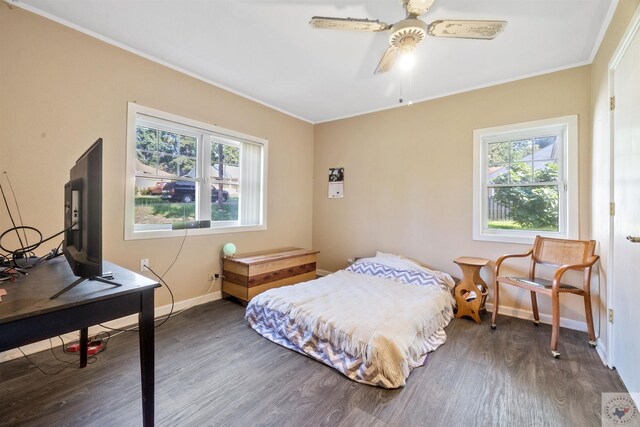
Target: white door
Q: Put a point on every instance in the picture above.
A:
(626, 224)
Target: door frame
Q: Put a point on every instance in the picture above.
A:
(631, 31)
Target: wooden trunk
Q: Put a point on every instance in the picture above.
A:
(245, 276)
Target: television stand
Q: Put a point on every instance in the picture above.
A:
(104, 278)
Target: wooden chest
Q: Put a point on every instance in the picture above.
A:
(246, 275)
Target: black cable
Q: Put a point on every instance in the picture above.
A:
(161, 278)
(135, 328)
(24, 250)
(6, 204)
(184, 239)
(38, 367)
(54, 353)
(168, 288)
(15, 200)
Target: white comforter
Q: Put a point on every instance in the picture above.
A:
(385, 323)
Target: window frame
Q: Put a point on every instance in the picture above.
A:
(568, 185)
(206, 133)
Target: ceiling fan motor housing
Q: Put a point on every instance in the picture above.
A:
(406, 34)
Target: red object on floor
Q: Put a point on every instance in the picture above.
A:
(93, 347)
(2, 292)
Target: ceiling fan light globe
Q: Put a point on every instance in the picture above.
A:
(407, 59)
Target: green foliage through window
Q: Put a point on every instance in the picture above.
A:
(523, 185)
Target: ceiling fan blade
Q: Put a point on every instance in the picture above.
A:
(370, 25)
(387, 60)
(418, 7)
(486, 30)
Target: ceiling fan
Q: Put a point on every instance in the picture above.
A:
(406, 34)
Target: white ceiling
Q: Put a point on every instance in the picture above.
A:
(266, 50)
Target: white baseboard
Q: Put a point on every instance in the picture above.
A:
(323, 273)
(544, 318)
(602, 352)
(121, 323)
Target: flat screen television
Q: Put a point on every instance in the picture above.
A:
(82, 246)
(83, 214)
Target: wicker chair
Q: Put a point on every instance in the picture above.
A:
(566, 255)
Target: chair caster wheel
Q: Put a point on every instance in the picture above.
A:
(536, 323)
(556, 355)
(593, 344)
(493, 326)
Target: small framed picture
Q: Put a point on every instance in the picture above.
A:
(336, 183)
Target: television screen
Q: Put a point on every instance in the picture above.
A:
(83, 214)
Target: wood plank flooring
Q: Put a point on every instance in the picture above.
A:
(212, 369)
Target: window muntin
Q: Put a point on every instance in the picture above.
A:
(185, 174)
(525, 182)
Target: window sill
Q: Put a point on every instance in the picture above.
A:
(161, 234)
(524, 238)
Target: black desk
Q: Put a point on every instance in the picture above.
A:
(28, 315)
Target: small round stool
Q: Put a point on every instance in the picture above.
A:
(471, 292)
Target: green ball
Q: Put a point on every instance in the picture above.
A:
(229, 249)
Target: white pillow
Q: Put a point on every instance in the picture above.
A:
(386, 255)
(400, 262)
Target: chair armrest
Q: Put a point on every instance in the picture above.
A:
(563, 269)
(505, 257)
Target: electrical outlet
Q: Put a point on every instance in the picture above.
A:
(144, 264)
(213, 276)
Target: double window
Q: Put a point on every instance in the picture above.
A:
(186, 174)
(525, 181)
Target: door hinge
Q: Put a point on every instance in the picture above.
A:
(612, 209)
(611, 315)
(612, 103)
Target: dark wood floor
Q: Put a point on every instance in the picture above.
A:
(212, 369)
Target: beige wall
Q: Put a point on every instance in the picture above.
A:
(601, 170)
(408, 170)
(408, 175)
(60, 90)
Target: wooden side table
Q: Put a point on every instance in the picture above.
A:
(471, 292)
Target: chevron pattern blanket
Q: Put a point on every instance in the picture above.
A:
(402, 275)
(372, 329)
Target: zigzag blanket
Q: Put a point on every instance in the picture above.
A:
(372, 329)
(402, 275)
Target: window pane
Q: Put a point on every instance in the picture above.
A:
(217, 152)
(168, 164)
(225, 200)
(146, 162)
(498, 174)
(545, 148)
(531, 208)
(227, 153)
(225, 162)
(232, 155)
(546, 171)
(521, 173)
(186, 166)
(164, 202)
(521, 150)
(498, 153)
(168, 142)
(188, 146)
(146, 139)
(498, 209)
